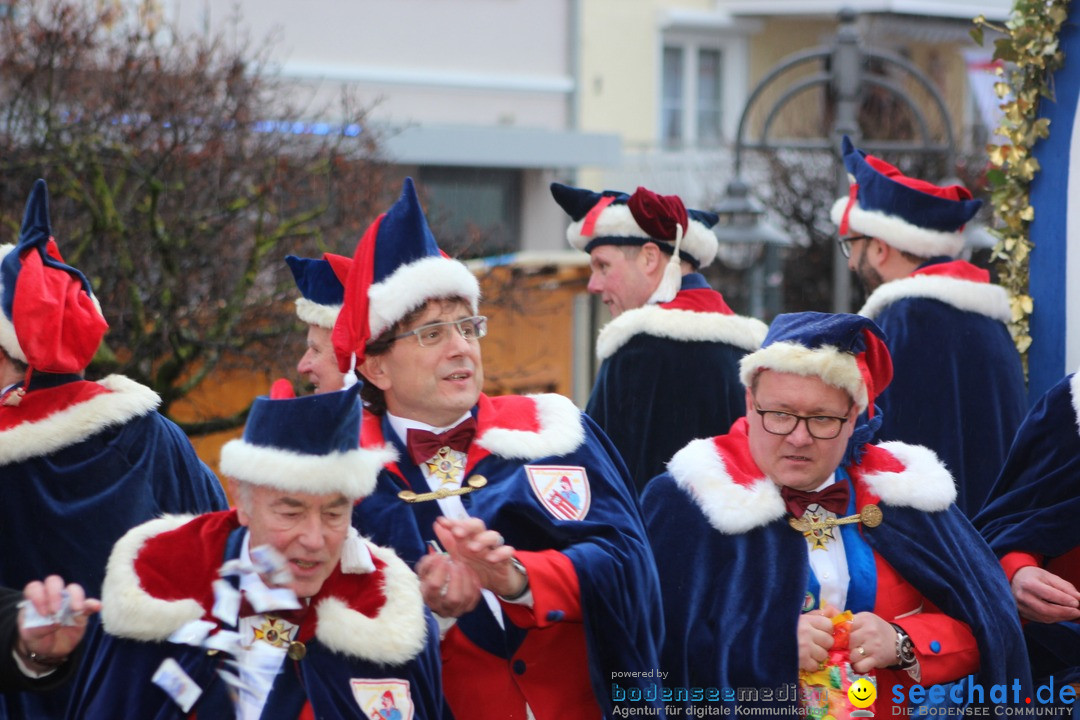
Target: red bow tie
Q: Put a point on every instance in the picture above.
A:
(833, 498)
(296, 617)
(424, 445)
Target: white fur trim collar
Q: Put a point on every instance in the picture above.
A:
(393, 636)
(127, 400)
(729, 507)
(982, 298)
(313, 313)
(742, 332)
(732, 508)
(129, 611)
(561, 432)
(351, 473)
(412, 285)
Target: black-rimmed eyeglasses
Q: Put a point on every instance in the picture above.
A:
(822, 427)
(470, 328)
(845, 243)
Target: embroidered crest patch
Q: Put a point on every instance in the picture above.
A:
(386, 699)
(562, 490)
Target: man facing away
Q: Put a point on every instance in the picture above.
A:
(669, 357)
(959, 385)
(276, 609)
(540, 598)
(763, 535)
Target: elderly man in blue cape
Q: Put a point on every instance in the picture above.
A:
(1031, 523)
(959, 385)
(277, 609)
(82, 462)
(540, 569)
(322, 290)
(769, 530)
(646, 251)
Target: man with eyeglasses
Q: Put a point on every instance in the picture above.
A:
(765, 534)
(959, 385)
(515, 510)
(645, 252)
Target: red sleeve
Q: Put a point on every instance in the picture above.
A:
(1011, 562)
(944, 646)
(555, 590)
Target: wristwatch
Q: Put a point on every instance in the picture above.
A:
(521, 569)
(905, 650)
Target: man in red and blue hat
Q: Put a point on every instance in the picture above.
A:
(276, 609)
(672, 349)
(959, 385)
(1030, 522)
(516, 510)
(763, 535)
(82, 461)
(322, 291)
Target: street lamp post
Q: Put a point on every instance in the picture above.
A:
(842, 68)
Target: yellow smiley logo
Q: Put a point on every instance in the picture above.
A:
(862, 693)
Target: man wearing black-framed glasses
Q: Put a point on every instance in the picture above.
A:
(959, 385)
(795, 515)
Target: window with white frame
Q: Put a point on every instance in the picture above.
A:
(692, 92)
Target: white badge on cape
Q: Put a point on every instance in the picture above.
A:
(387, 698)
(563, 491)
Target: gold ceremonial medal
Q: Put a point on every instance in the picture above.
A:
(446, 466)
(297, 650)
(870, 516)
(273, 631)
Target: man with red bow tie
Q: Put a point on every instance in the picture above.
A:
(645, 252)
(540, 600)
(795, 516)
(959, 385)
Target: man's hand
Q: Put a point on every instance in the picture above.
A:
(1044, 597)
(53, 643)
(470, 542)
(872, 642)
(815, 638)
(449, 588)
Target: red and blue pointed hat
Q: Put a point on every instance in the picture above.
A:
(49, 317)
(845, 351)
(322, 287)
(397, 268)
(912, 215)
(615, 218)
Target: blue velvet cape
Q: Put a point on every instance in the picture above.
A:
(1034, 508)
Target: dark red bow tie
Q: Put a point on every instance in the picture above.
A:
(833, 498)
(296, 617)
(424, 445)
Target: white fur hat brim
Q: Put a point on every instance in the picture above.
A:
(351, 473)
(616, 220)
(897, 232)
(835, 367)
(412, 285)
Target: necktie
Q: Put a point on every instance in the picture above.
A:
(424, 445)
(833, 498)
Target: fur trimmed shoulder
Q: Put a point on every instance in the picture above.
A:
(982, 298)
(924, 483)
(560, 432)
(686, 325)
(394, 636)
(730, 507)
(129, 611)
(124, 401)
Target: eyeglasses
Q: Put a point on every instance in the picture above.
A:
(845, 243)
(822, 427)
(470, 328)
